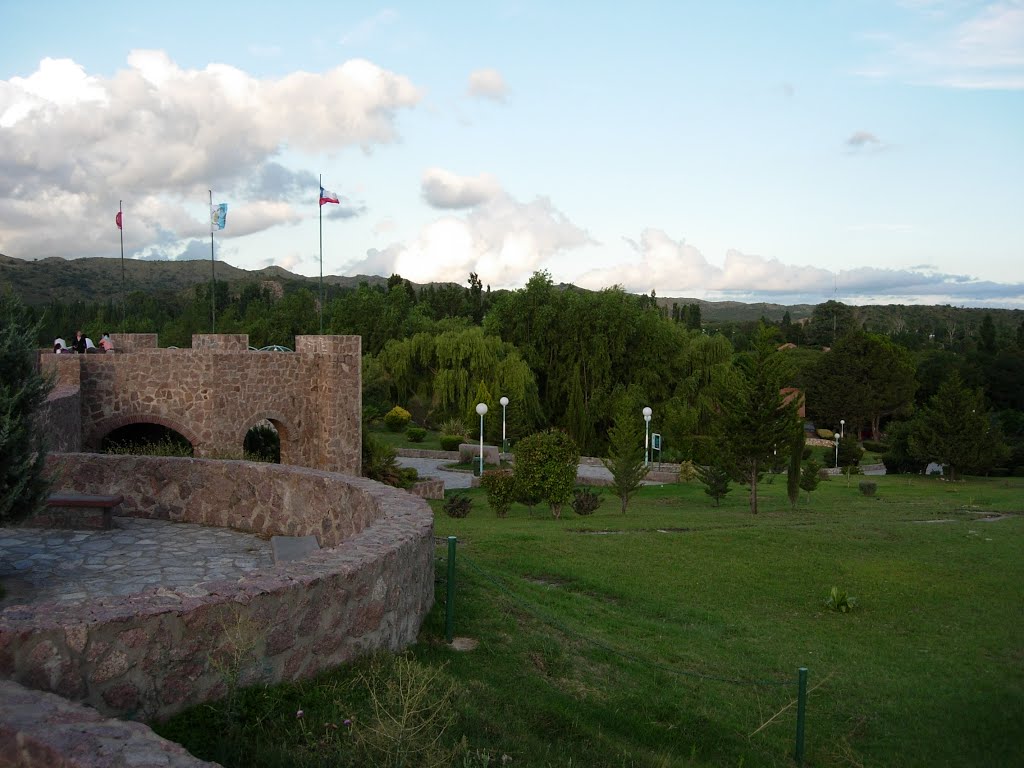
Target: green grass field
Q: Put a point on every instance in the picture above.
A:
(671, 636)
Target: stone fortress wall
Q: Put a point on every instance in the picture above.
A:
(150, 654)
(215, 392)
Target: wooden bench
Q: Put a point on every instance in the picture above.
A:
(77, 510)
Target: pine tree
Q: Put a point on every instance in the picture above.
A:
(810, 476)
(625, 455)
(716, 481)
(796, 455)
(23, 391)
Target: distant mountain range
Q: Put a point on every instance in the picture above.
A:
(99, 279)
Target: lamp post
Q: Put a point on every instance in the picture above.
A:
(504, 404)
(481, 408)
(647, 430)
(842, 428)
(837, 451)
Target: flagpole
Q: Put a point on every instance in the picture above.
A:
(120, 230)
(213, 275)
(320, 210)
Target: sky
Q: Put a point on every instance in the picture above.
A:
(869, 151)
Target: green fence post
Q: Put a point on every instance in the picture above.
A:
(449, 606)
(801, 707)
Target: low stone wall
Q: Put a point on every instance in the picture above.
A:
(60, 419)
(423, 453)
(428, 489)
(40, 730)
(151, 654)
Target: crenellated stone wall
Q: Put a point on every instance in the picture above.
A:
(151, 654)
(215, 392)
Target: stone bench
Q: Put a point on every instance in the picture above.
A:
(77, 510)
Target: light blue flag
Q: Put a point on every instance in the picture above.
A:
(218, 216)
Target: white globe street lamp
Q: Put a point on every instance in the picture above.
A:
(837, 451)
(647, 429)
(504, 405)
(842, 427)
(481, 408)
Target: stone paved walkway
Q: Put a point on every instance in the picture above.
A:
(71, 566)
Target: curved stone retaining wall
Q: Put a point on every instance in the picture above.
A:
(151, 654)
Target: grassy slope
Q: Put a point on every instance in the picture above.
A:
(927, 671)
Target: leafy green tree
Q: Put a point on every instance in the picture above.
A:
(830, 321)
(954, 429)
(987, 335)
(626, 455)
(500, 488)
(863, 379)
(693, 319)
(715, 479)
(545, 467)
(758, 419)
(23, 390)
(898, 458)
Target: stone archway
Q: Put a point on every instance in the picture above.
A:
(286, 432)
(106, 426)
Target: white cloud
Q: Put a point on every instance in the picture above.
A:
(503, 240)
(487, 84)
(977, 46)
(444, 189)
(158, 136)
(673, 268)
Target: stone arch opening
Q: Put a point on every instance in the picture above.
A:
(287, 451)
(146, 437)
(263, 442)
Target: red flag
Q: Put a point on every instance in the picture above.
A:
(117, 219)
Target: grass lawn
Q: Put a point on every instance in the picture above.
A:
(432, 442)
(671, 636)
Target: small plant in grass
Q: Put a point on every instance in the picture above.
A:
(715, 480)
(458, 505)
(412, 707)
(455, 427)
(501, 490)
(397, 419)
(839, 601)
(416, 434)
(867, 488)
(451, 442)
(585, 501)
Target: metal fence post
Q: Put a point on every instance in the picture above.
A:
(449, 606)
(801, 707)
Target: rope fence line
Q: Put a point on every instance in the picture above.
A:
(543, 616)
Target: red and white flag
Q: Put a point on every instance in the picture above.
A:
(117, 220)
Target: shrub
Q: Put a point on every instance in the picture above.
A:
(585, 501)
(687, 472)
(867, 488)
(810, 476)
(875, 446)
(838, 600)
(825, 434)
(457, 505)
(416, 434)
(397, 419)
(380, 463)
(454, 426)
(501, 490)
(546, 464)
(715, 480)
(451, 442)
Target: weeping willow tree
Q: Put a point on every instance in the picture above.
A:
(458, 368)
(707, 372)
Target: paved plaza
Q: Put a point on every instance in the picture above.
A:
(66, 566)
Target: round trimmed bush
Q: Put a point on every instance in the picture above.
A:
(451, 442)
(416, 434)
(397, 419)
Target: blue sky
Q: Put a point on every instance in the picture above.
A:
(864, 150)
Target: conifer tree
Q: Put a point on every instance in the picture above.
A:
(23, 390)
(625, 455)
